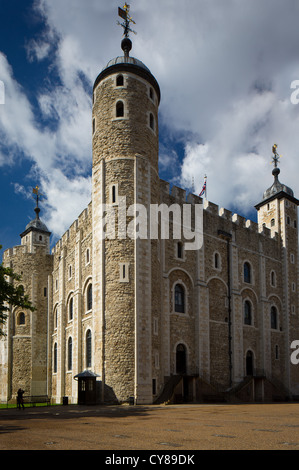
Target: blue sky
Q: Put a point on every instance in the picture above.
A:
(225, 69)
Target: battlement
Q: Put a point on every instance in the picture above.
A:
(73, 229)
(181, 197)
(22, 250)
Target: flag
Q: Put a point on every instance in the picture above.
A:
(203, 188)
(122, 13)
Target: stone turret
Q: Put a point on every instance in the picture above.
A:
(126, 97)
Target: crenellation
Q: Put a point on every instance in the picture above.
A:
(179, 194)
(211, 207)
(226, 214)
(194, 199)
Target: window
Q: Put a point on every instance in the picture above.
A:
(151, 93)
(113, 194)
(273, 279)
(93, 125)
(55, 318)
(247, 313)
(119, 109)
(88, 348)
(273, 318)
(70, 353)
(247, 273)
(180, 249)
(124, 272)
(87, 256)
(89, 297)
(55, 358)
(179, 298)
(71, 308)
(276, 352)
(70, 272)
(272, 222)
(21, 319)
(120, 80)
(217, 260)
(152, 121)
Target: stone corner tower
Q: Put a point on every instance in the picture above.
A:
(125, 140)
(278, 212)
(23, 351)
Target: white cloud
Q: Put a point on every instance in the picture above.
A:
(224, 68)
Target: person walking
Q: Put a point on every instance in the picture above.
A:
(20, 400)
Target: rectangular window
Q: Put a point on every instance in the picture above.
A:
(113, 193)
(124, 272)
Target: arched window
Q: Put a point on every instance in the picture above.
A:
(247, 313)
(55, 317)
(21, 318)
(179, 298)
(21, 290)
(273, 318)
(119, 109)
(247, 272)
(89, 297)
(70, 353)
(71, 308)
(55, 358)
(120, 80)
(273, 279)
(88, 348)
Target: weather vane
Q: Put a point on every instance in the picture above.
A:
(124, 14)
(36, 197)
(276, 157)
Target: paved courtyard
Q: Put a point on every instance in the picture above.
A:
(164, 428)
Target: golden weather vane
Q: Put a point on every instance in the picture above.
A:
(276, 157)
(124, 14)
(37, 194)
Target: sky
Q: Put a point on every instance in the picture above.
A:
(229, 77)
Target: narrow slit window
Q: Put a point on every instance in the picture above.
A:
(124, 272)
(152, 121)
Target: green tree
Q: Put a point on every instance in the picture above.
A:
(10, 295)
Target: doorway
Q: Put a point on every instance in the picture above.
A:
(181, 359)
(249, 363)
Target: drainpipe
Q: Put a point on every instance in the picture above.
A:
(227, 236)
